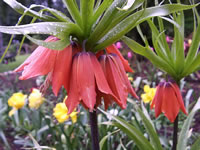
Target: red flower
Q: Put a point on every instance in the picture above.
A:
(43, 61)
(87, 78)
(117, 79)
(113, 49)
(168, 100)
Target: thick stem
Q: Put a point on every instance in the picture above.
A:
(94, 130)
(175, 133)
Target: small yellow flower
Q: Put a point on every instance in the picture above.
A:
(129, 77)
(35, 99)
(60, 113)
(148, 94)
(17, 101)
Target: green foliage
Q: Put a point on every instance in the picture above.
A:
(12, 65)
(171, 59)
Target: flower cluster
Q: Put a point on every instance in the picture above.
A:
(87, 77)
(18, 100)
(148, 94)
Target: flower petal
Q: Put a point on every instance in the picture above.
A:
(113, 49)
(122, 72)
(86, 78)
(62, 68)
(179, 97)
(73, 98)
(158, 100)
(38, 52)
(170, 105)
(41, 65)
(114, 79)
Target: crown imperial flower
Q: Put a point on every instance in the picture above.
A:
(81, 74)
(44, 61)
(168, 100)
(117, 79)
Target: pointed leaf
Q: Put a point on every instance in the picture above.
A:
(136, 135)
(192, 56)
(133, 20)
(58, 45)
(100, 9)
(86, 13)
(73, 10)
(149, 127)
(103, 140)
(148, 53)
(21, 9)
(105, 21)
(58, 29)
(183, 137)
(58, 14)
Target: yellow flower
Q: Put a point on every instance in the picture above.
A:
(129, 77)
(35, 99)
(17, 101)
(148, 94)
(60, 113)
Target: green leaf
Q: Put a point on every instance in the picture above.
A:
(103, 140)
(86, 13)
(136, 135)
(116, 20)
(149, 54)
(57, 45)
(58, 29)
(179, 43)
(192, 59)
(21, 9)
(3, 138)
(99, 10)
(133, 20)
(196, 145)
(159, 43)
(59, 15)
(155, 142)
(183, 137)
(105, 21)
(74, 11)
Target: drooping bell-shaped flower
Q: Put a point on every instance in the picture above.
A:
(87, 78)
(116, 76)
(168, 100)
(44, 61)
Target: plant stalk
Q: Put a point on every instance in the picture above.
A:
(94, 130)
(175, 134)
